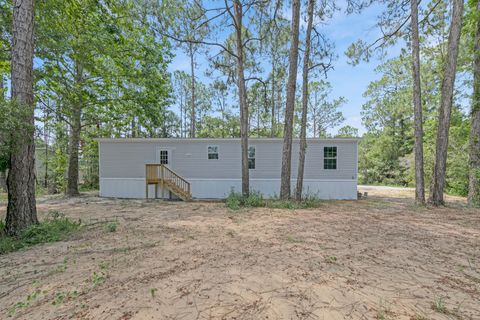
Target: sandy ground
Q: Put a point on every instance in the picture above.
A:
(377, 258)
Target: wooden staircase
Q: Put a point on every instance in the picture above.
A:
(159, 174)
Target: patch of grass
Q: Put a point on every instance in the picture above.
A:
(153, 291)
(384, 312)
(236, 201)
(439, 305)
(87, 188)
(331, 260)
(97, 279)
(55, 228)
(111, 227)
(24, 304)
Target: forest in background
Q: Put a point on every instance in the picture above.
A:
(101, 70)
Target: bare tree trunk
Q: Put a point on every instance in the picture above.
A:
(3, 174)
(181, 116)
(21, 208)
(133, 128)
(272, 129)
(75, 130)
(192, 113)
(242, 94)
(474, 172)
(438, 178)
(303, 125)
(417, 105)
(45, 138)
(290, 104)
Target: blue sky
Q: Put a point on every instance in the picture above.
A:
(347, 81)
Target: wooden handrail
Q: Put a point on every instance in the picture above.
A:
(159, 173)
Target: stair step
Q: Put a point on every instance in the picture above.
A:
(160, 174)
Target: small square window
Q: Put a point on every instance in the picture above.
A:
(251, 157)
(330, 158)
(212, 152)
(163, 157)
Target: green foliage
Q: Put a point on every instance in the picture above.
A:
(111, 227)
(386, 150)
(14, 126)
(55, 228)
(347, 132)
(439, 305)
(324, 113)
(236, 201)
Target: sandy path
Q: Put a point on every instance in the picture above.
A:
(379, 258)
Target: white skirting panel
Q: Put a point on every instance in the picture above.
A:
(220, 188)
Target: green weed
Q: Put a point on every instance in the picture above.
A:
(111, 227)
(153, 291)
(331, 260)
(439, 305)
(55, 228)
(236, 201)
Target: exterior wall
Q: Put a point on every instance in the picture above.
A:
(122, 166)
(220, 188)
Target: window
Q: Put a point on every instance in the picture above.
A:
(212, 152)
(251, 157)
(163, 156)
(330, 158)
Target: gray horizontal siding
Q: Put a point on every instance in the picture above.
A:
(189, 159)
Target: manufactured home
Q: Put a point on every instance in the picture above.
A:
(211, 168)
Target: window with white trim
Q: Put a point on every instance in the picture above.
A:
(163, 156)
(251, 157)
(212, 152)
(330, 158)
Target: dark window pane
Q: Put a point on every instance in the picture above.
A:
(330, 157)
(163, 157)
(251, 157)
(330, 164)
(251, 163)
(251, 152)
(212, 152)
(330, 152)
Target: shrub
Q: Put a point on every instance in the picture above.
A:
(236, 200)
(254, 199)
(55, 228)
(111, 227)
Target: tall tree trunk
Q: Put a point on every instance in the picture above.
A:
(242, 94)
(444, 114)
(181, 116)
(133, 128)
(3, 174)
(75, 130)
(45, 138)
(290, 104)
(303, 125)
(21, 208)
(272, 129)
(417, 105)
(192, 111)
(474, 172)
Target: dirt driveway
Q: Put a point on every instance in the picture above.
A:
(379, 258)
